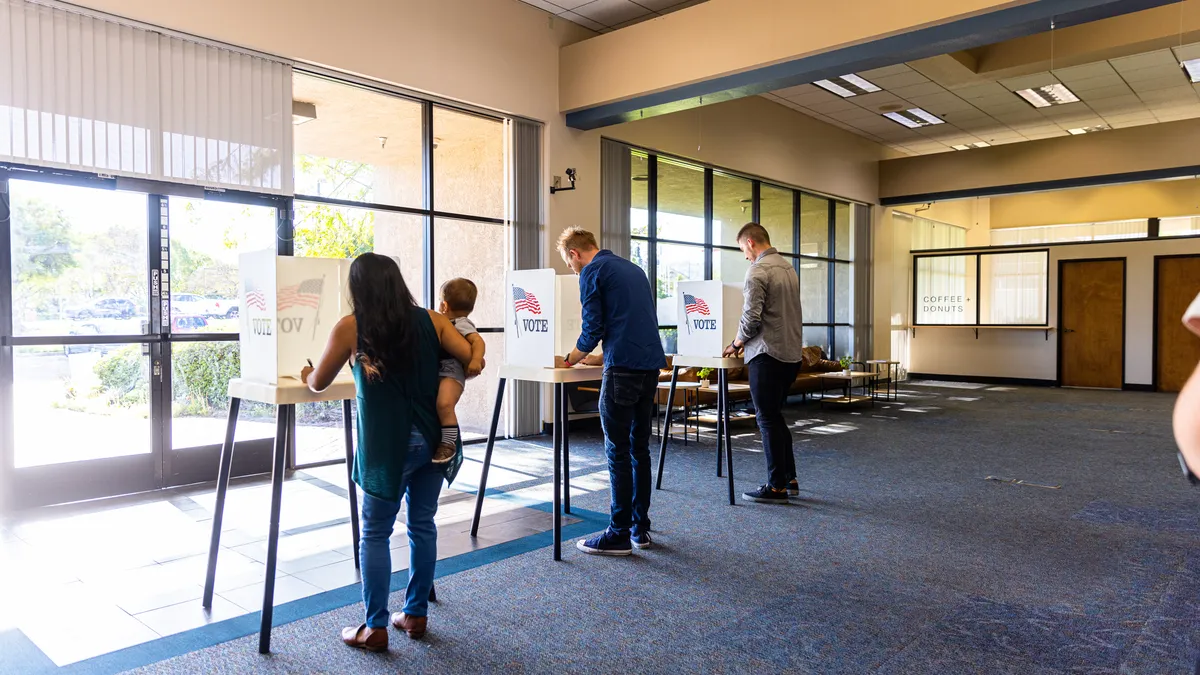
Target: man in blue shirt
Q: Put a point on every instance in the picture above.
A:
(618, 308)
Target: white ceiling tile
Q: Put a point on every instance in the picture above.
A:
(1175, 109)
(799, 90)
(664, 5)
(875, 100)
(1133, 123)
(1089, 71)
(582, 21)
(1187, 52)
(898, 80)
(830, 107)
(1000, 107)
(981, 90)
(922, 89)
(1082, 122)
(887, 71)
(1174, 94)
(612, 12)
(817, 95)
(1162, 57)
(1118, 89)
(1178, 116)
(1174, 81)
(1028, 81)
(1069, 110)
(941, 104)
(1084, 88)
(1128, 117)
(1054, 134)
(550, 7)
(1028, 115)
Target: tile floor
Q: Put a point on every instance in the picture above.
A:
(135, 566)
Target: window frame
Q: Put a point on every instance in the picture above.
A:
(978, 256)
(652, 240)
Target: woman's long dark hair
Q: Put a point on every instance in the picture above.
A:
(383, 311)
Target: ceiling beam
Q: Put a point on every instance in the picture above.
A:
(727, 49)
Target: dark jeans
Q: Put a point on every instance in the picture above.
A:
(626, 407)
(770, 379)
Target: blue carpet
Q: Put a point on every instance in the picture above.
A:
(897, 558)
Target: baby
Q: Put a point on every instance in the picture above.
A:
(458, 300)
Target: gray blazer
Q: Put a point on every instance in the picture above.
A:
(772, 322)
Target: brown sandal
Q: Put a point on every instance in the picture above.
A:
(370, 639)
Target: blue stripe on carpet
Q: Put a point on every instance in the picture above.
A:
(22, 656)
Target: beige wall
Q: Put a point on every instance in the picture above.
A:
(1084, 205)
(1144, 148)
(1027, 354)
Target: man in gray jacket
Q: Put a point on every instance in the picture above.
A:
(771, 333)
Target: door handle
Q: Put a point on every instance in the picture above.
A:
(1068, 330)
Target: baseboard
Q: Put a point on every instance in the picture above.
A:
(1129, 386)
(980, 379)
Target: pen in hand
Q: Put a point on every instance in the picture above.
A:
(310, 365)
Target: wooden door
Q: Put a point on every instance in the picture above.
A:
(1176, 349)
(1092, 323)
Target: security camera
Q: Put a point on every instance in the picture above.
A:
(570, 179)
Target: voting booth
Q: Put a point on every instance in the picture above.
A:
(543, 317)
(709, 312)
(288, 307)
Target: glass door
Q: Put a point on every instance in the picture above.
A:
(205, 238)
(118, 337)
(78, 368)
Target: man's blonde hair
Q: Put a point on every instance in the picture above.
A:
(576, 239)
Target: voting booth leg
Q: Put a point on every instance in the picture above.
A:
(566, 450)
(347, 410)
(721, 421)
(214, 544)
(487, 458)
(557, 506)
(666, 428)
(724, 383)
(283, 423)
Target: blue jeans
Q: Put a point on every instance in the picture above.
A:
(422, 483)
(626, 408)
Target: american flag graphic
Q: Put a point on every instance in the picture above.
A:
(694, 305)
(525, 301)
(256, 299)
(304, 294)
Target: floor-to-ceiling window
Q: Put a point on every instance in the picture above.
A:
(684, 219)
(118, 294)
(408, 178)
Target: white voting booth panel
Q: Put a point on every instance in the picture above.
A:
(288, 307)
(543, 317)
(709, 312)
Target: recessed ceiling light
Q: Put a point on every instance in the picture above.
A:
(1044, 97)
(914, 117)
(968, 146)
(847, 85)
(1088, 130)
(1192, 68)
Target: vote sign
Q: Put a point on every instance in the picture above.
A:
(709, 312)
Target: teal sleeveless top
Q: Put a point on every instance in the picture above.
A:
(391, 408)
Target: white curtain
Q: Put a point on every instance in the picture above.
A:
(1182, 226)
(1045, 234)
(930, 234)
(79, 91)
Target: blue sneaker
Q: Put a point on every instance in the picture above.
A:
(640, 540)
(605, 543)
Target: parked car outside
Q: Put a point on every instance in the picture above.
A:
(223, 307)
(187, 323)
(190, 304)
(104, 308)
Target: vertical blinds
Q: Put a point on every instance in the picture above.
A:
(88, 93)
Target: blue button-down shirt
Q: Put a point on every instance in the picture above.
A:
(618, 308)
